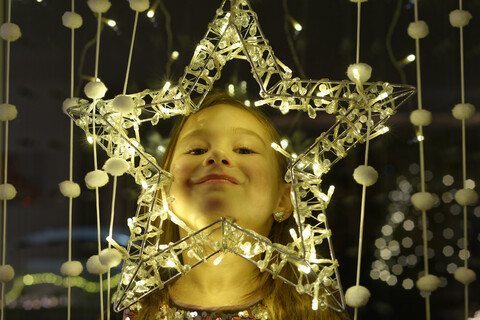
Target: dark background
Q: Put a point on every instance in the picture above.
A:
(38, 155)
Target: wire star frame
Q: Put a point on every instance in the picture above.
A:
(235, 33)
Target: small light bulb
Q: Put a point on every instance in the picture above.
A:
(111, 23)
(167, 85)
(151, 13)
(284, 143)
(174, 55)
(144, 184)
(420, 138)
(410, 58)
(297, 26)
(90, 139)
(171, 263)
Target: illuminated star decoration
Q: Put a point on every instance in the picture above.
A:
(235, 34)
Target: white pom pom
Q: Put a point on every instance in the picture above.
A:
(423, 200)
(463, 111)
(110, 257)
(99, 6)
(459, 18)
(94, 265)
(464, 275)
(96, 179)
(418, 29)
(7, 191)
(123, 104)
(10, 31)
(71, 268)
(139, 5)
(8, 112)
(365, 175)
(421, 117)
(359, 72)
(466, 197)
(116, 166)
(428, 283)
(69, 189)
(357, 296)
(95, 89)
(72, 20)
(6, 273)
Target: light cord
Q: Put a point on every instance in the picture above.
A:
(130, 53)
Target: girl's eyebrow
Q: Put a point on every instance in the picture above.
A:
(236, 131)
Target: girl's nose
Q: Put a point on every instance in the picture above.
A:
(217, 157)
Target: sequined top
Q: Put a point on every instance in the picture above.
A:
(171, 311)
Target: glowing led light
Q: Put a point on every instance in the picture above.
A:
(174, 55)
(171, 263)
(410, 58)
(151, 13)
(231, 89)
(304, 269)
(420, 138)
(167, 85)
(90, 139)
(284, 143)
(315, 304)
(297, 26)
(247, 103)
(383, 95)
(144, 184)
(219, 259)
(356, 73)
(111, 23)
(293, 233)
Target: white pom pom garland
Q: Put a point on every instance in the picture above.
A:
(95, 89)
(463, 111)
(464, 275)
(459, 18)
(421, 117)
(10, 31)
(8, 112)
(7, 191)
(357, 296)
(428, 283)
(418, 29)
(365, 175)
(123, 104)
(72, 20)
(139, 5)
(466, 197)
(116, 166)
(110, 257)
(71, 268)
(359, 72)
(99, 6)
(69, 189)
(7, 273)
(94, 265)
(423, 200)
(96, 179)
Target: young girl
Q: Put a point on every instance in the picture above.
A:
(223, 165)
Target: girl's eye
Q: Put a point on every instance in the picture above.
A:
(244, 151)
(197, 151)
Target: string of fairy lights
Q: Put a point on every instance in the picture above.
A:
(387, 246)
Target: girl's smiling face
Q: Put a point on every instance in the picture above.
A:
(223, 166)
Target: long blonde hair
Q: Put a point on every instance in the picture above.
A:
(282, 301)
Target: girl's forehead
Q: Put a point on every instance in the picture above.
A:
(226, 116)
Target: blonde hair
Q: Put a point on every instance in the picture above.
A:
(282, 301)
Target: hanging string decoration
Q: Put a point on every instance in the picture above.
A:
(235, 33)
(465, 196)
(423, 200)
(9, 32)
